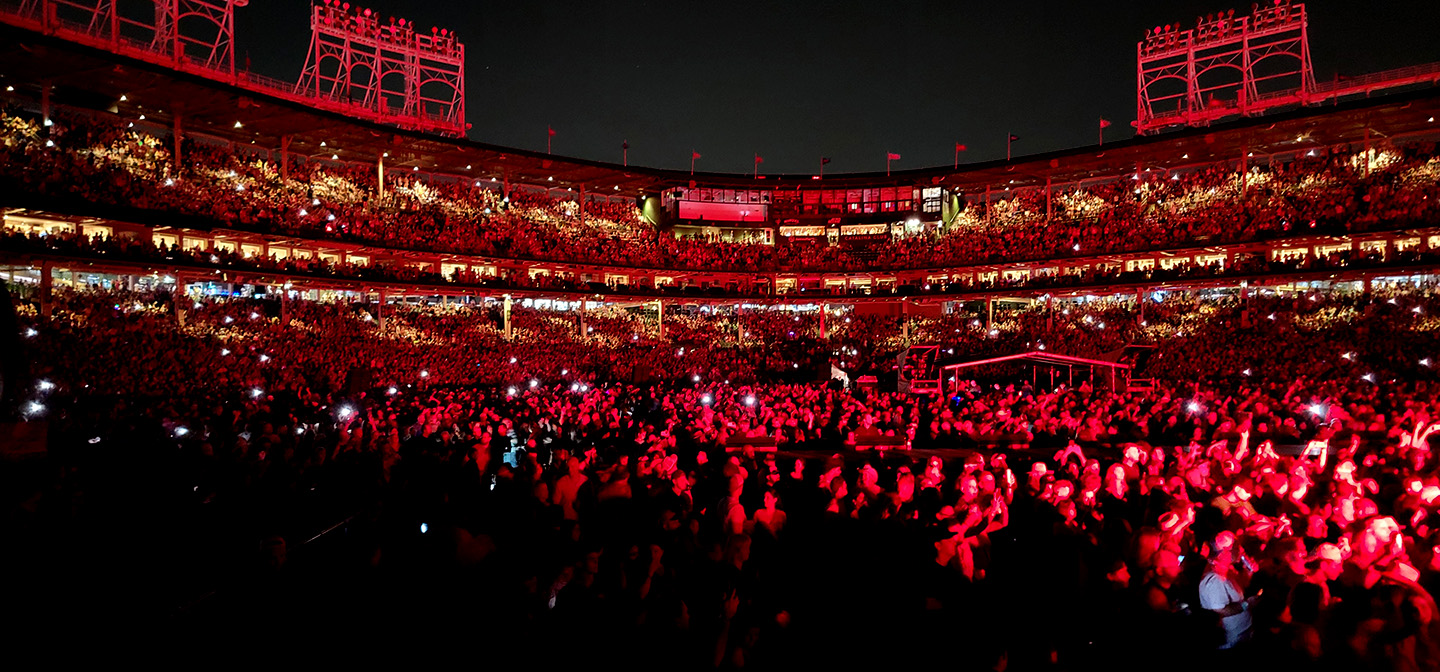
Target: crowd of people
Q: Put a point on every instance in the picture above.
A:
(109, 162)
(1270, 495)
(156, 258)
(727, 486)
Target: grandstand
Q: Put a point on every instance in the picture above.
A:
(1024, 228)
(347, 369)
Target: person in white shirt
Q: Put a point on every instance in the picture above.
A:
(1219, 594)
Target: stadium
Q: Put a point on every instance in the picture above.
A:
(317, 369)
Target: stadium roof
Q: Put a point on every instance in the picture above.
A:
(85, 77)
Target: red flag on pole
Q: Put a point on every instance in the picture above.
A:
(758, 159)
(892, 156)
(551, 130)
(959, 147)
(1104, 123)
(694, 155)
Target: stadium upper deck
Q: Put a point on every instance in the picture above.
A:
(237, 107)
(48, 74)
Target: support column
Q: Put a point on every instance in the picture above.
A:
(989, 313)
(380, 309)
(47, 284)
(1048, 200)
(380, 174)
(905, 321)
(285, 157)
(284, 303)
(1140, 302)
(583, 331)
(509, 328)
(1367, 151)
(177, 297)
(175, 132)
(1244, 169)
(45, 104)
(1050, 319)
(824, 333)
(661, 317)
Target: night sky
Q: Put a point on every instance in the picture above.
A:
(796, 80)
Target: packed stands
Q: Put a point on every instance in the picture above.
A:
(103, 161)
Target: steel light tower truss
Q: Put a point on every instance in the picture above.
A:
(385, 71)
(1223, 66)
(189, 34)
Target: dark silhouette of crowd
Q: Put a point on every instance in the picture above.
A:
(351, 471)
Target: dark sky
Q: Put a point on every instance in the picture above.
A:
(795, 80)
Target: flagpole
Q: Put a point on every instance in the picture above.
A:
(692, 161)
(957, 156)
(625, 153)
(822, 167)
(1008, 137)
(887, 165)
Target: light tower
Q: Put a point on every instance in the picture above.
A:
(185, 34)
(1223, 66)
(196, 29)
(385, 71)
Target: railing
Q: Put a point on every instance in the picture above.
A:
(1414, 74)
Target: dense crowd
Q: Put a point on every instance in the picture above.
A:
(1272, 496)
(160, 257)
(107, 162)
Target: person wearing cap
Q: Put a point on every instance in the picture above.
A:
(1220, 594)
